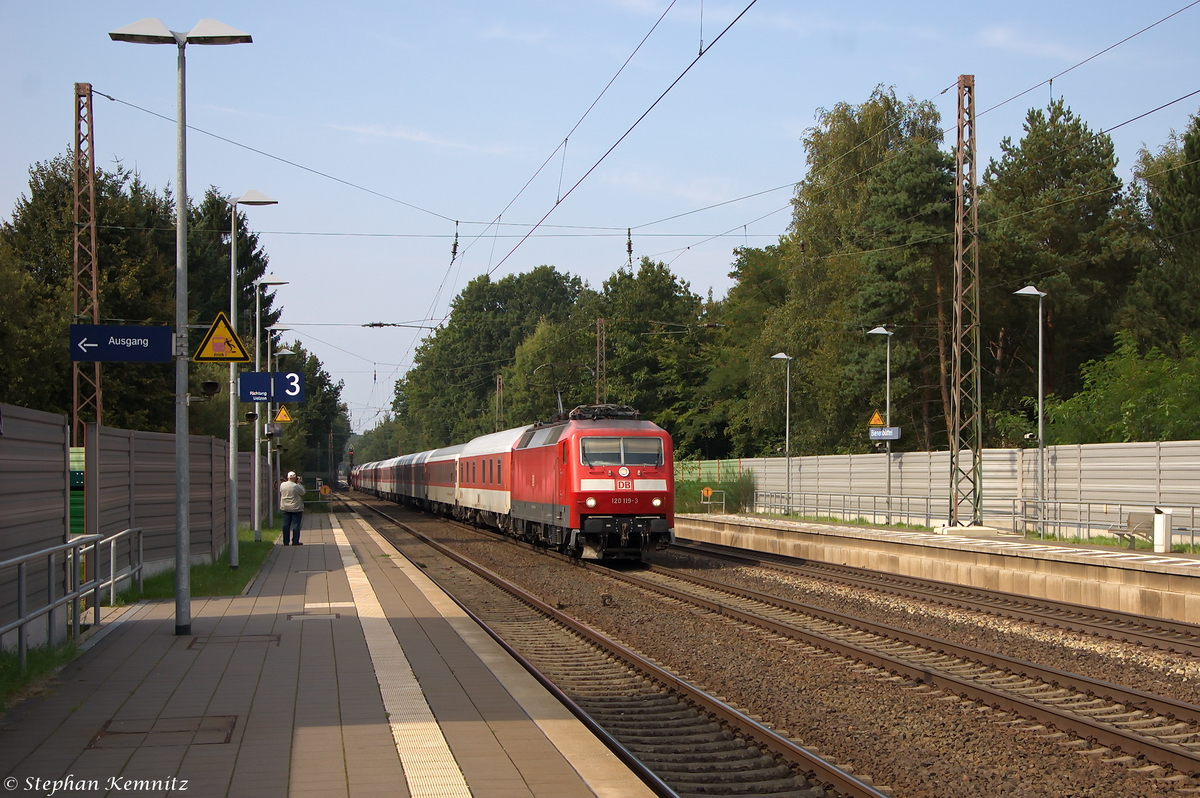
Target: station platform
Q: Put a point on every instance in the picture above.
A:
(341, 671)
(1158, 585)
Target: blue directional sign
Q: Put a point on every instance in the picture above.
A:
(885, 433)
(271, 386)
(121, 343)
(254, 386)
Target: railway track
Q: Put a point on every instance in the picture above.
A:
(1173, 636)
(695, 743)
(1128, 724)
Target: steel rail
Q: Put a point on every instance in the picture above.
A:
(1182, 759)
(1169, 635)
(817, 769)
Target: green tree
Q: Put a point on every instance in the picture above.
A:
(136, 256)
(908, 287)
(1129, 396)
(1164, 302)
(820, 322)
(1054, 215)
(447, 395)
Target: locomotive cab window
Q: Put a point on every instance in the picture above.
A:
(621, 451)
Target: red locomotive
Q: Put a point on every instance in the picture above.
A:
(596, 482)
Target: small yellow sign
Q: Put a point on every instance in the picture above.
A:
(221, 344)
(283, 416)
(325, 491)
(706, 492)
(876, 420)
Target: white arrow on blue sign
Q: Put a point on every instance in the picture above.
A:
(121, 343)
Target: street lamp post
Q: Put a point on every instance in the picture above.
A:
(207, 31)
(887, 414)
(1029, 290)
(249, 198)
(787, 414)
(273, 459)
(265, 280)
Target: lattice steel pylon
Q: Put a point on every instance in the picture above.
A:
(601, 366)
(85, 377)
(966, 412)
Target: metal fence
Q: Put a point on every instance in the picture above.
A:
(129, 480)
(35, 489)
(79, 557)
(1092, 476)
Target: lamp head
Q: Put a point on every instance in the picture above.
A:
(879, 331)
(1029, 290)
(780, 356)
(269, 279)
(253, 197)
(151, 30)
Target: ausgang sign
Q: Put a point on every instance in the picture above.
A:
(121, 343)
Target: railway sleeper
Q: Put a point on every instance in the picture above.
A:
(647, 703)
(732, 754)
(763, 781)
(745, 762)
(722, 742)
(678, 719)
(657, 710)
(675, 739)
(650, 729)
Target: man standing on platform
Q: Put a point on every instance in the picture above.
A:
(291, 503)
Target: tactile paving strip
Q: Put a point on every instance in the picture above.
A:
(429, 766)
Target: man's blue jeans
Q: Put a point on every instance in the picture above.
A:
(291, 521)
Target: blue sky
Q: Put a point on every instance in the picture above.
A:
(452, 106)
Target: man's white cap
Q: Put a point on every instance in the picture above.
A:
(291, 474)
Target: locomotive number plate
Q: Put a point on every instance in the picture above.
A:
(625, 500)
(624, 484)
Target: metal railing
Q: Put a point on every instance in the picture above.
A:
(1084, 520)
(81, 555)
(887, 510)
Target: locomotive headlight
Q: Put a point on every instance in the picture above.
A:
(657, 502)
(590, 501)
(623, 471)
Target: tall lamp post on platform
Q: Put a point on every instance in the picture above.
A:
(887, 414)
(249, 198)
(787, 414)
(1029, 290)
(207, 31)
(265, 280)
(272, 461)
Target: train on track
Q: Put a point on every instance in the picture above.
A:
(596, 483)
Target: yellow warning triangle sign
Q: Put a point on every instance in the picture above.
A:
(876, 420)
(283, 416)
(221, 344)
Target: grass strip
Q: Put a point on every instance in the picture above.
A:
(210, 579)
(40, 661)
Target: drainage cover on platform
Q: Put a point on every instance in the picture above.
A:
(314, 616)
(158, 732)
(201, 642)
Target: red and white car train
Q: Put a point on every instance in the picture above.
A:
(597, 483)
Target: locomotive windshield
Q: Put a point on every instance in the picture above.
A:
(622, 451)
